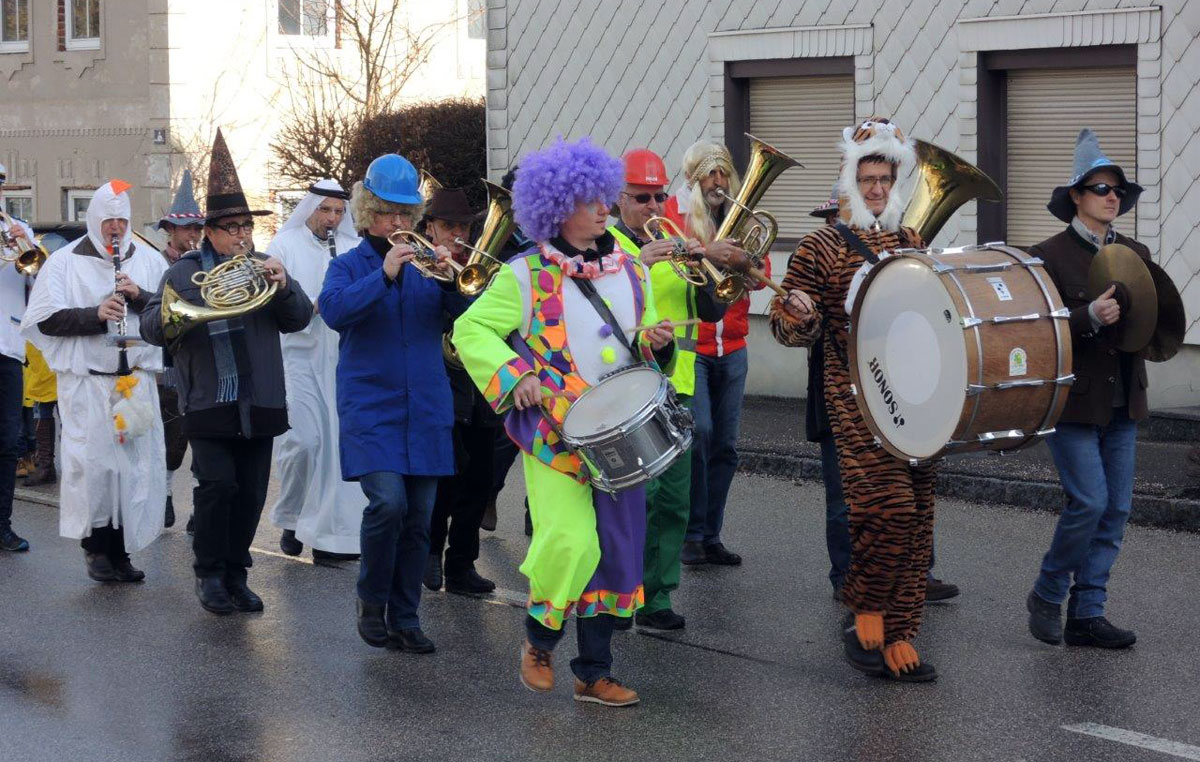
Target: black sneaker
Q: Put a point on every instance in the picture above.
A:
(936, 590)
(289, 544)
(169, 514)
(1045, 619)
(1098, 632)
(11, 541)
(469, 583)
(433, 577)
(693, 554)
(661, 620)
(410, 640)
(717, 554)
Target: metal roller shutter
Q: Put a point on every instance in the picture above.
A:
(804, 118)
(1046, 110)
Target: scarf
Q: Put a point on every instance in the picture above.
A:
(223, 335)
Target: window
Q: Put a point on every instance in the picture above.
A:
(14, 26)
(77, 204)
(476, 20)
(19, 204)
(286, 201)
(306, 17)
(83, 25)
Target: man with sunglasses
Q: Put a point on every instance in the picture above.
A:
(231, 391)
(1094, 442)
(668, 497)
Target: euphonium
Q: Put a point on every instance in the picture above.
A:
(753, 229)
(484, 260)
(425, 260)
(695, 273)
(27, 257)
(233, 288)
(944, 183)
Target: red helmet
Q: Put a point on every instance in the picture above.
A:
(644, 167)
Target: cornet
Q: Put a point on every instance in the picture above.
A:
(695, 273)
(426, 259)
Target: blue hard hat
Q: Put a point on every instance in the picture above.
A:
(393, 178)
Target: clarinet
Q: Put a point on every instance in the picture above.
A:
(122, 349)
(330, 241)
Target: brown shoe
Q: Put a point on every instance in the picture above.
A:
(537, 673)
(606, 691)
(24, 466)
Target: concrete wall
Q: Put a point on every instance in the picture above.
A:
(567, 68)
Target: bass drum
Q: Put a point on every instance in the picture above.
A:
(959, 350)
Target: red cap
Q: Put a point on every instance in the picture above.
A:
(644, 167)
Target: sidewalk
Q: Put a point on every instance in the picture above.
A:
(772, 443)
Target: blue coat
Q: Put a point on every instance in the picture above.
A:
(395, 409)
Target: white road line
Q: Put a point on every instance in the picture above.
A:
(1133, 738)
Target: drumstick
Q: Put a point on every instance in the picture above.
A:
(761, 278)
(674, 324)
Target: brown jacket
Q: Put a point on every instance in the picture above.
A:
(1095, 363)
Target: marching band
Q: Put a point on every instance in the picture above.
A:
(598, 325)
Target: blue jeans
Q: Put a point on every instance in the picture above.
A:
(12, 394)
(1095, 465)
(717, 409)
(395, 543)
(594, 637)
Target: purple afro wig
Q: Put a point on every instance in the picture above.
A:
(553, 181)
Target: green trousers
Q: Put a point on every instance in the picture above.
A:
(668, 506)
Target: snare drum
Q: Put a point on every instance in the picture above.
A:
(628, 428)
(955, 350)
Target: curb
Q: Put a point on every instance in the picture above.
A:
(1148, 510)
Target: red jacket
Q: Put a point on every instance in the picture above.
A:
(728, 335)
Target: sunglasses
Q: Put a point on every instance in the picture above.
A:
(644, 198)
(1103, 189)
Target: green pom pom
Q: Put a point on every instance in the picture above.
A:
(608, 355)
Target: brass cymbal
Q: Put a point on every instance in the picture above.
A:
(1172, 320)
(1118, 264)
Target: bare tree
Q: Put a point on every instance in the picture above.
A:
(333, 91)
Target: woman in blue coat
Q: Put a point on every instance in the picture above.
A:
(395, 409)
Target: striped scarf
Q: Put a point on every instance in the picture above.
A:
(222, 334)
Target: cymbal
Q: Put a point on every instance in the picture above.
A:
(1172, 319)
(1118, 264)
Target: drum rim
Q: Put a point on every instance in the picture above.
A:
(638, 417)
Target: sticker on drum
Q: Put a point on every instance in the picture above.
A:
(912, 363)
(1018, 362)
(612, 402)
(1001, 288)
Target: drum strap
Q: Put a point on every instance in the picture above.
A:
(854, 242)
(589, 290)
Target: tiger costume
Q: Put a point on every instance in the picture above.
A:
(891, 502)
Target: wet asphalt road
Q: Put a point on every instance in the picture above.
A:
(140, 672)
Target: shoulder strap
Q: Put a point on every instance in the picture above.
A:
(854, 242)
(589, 290)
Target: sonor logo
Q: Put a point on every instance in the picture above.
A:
(885, 391)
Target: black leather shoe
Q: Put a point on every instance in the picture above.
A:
(243, 598)
(717, 554)
(169, 514)
(1045, 619)
(370, 624)
(11, 541)
(289, 544)
(99, 567)
(433, 578)
(1098, 632)
(693, 554)
(191, 525)
(213, 595)
(333, 558)
(410, 640)
(125, 571)
(936, 590)
(470, 583)
(661, 620)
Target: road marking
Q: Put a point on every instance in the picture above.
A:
(1133, 738)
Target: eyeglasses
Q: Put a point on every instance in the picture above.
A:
(644, 198)
(234, 228)
(885, 181)
(1103, 189)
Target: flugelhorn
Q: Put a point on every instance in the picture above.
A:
(695, 273)
(27, 256)
(233, 288)
(484, 261)
(425, 259)
(944, 183)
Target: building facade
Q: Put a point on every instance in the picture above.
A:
(135, 89)
(1006, 84)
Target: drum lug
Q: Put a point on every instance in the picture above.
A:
(1044, 432)
(1067, 380)
(1019, 384)
(990, 244)
(1015, 318)
(992, 436)
(1032, 262)
(971, 322)
(1061, 314)
(974, 390)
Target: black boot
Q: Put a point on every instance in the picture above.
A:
(870, 662)
(99, 567)
(1098, 632)
(1045, 619)
(433, 576)
(666, 619)
(410, 640)
(469, 583)
(125, 571)
(289, 544)
(370, 624)
(169, 513)
(244, 599)
(213, 595)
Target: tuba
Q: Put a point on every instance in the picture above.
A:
(483, 262)
(233, 288)
(27, 257)
(944, 183)
(754, 229)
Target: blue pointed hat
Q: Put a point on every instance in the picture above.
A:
(184, 210)
(1089, 159)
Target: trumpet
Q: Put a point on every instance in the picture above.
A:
(696, 273)
(27, 257)
(425, 259)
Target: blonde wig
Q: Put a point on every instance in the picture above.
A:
(698, 161)
(365, 206)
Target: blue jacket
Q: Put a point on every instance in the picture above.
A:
(394, 404)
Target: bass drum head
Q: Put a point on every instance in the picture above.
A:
(910, 356)
(612, 402)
